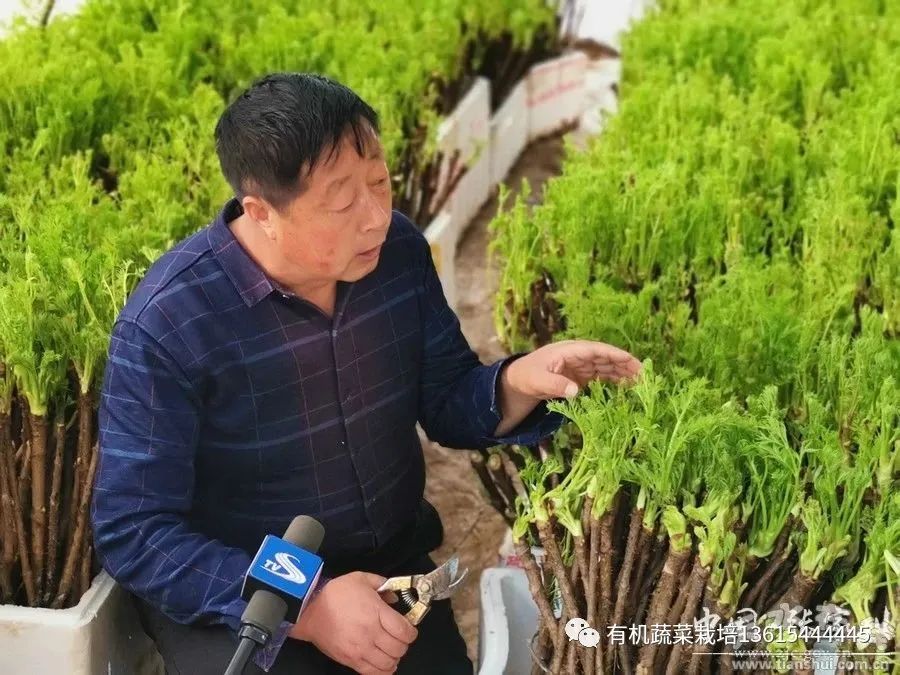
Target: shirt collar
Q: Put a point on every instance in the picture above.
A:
(247, 276)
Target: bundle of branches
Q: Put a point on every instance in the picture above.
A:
(58, 298)
(48, 457)
(669, 520)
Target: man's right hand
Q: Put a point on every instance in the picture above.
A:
(351, 623)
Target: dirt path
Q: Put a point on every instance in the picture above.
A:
(472, 529)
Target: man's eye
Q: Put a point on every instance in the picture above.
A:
(346, 208)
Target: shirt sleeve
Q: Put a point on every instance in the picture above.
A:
(149, 421)
(459, 396)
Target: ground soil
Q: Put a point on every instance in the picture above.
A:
(472, 529)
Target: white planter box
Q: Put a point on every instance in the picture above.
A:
(465, 133)
(100, 635)
(550, 97)
(600, 99)
(447, 143)
(509, 132)
(555, 94)
(508, 619)
(442, 238)
(472, 191)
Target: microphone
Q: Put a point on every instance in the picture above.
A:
(277, 585)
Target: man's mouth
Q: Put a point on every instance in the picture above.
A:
(372, 253)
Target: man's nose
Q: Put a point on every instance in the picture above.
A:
(377, 217)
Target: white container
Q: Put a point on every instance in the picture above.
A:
(101, 634)
(471, 134)
(508, 620)
(509, 132)
(447, 143)
(603, 73)
(600, 99)
(442, 238)
(555, 93)
(471, 193)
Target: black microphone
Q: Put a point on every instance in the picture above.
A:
(277, 585)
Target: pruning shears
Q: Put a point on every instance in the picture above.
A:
(418, 591)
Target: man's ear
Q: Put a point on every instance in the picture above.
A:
(260, 212)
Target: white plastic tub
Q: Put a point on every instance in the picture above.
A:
(509, 132)
(472, 122)
(100, 635)
(507, 622)
(555, 94)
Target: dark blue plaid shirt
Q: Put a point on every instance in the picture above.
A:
(229, 406)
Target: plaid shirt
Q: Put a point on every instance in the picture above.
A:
(229, 406)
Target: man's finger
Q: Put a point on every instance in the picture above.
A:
(389, 597)
(631, 366)
(390, 645)
(585, 350)
(613, 354)
(373, 580)
(377, 659)
(606, 373)
(397, 625)
(621, 369)
(558, 386)
(628, 362)
(367, 668)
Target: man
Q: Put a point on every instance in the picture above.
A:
(276, 363)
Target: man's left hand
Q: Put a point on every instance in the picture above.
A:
(559, 370)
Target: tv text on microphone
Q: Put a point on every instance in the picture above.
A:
(286, 569)
(277, 585)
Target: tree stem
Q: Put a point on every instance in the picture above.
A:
(501, 480)
(593, 569)
(68, 575)
(622, 596)
(554, 558)
(696, 585)
(523, 550)
(476, 459)
(7, 533)
(605, 564)
(662, 601)
(53, 524)
(38, 494)
(19, 522)
(7, 522)
(85, 439)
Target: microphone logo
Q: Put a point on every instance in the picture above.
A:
(286, 566)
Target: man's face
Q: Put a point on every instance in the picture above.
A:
(335, 229)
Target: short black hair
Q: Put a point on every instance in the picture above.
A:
(284, 124)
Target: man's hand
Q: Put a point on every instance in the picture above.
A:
(561, 369)
(558, 370)
(350, 623)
